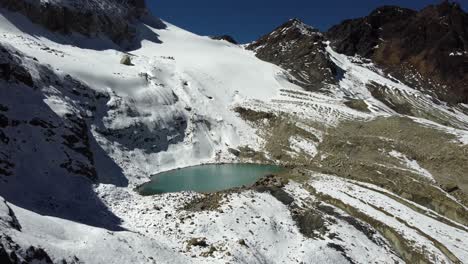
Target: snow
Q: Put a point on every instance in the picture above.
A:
(458, 53)
(356, 77)
(208, 76)
(460, 134)
(261, 220)
(179, 95)
(411, 164)
(358, 74)
(5, 216)
(411, 224)
(266, 226)
(310, 106)
(57, 105)
(223, 68)
(303, 145)
(92, 245)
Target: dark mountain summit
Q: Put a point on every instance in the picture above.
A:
(361, 36)
(299, 49)
(426, 49)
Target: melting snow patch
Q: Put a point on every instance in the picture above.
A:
(457, 53)
(303, 145)
(411, 164)
(462, 135)
(59, 106)
(411, 224)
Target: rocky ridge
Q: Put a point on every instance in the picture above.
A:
(112, 18)
(299, 49)
(426, 49)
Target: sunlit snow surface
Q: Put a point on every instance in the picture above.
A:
(372, 201)
(186, 70)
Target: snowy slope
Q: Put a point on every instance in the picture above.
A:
(206, 77)
(426, 232)
(70, 240)
(176, 95)
(359, 74)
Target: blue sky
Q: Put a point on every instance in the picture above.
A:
(247, 20)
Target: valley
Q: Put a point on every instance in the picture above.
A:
(375, 165)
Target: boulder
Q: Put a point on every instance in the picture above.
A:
(126, 60)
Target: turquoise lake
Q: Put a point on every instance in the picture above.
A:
(207, 178)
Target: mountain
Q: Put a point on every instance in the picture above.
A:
(112, 18)
(425, 49)
(299, 49)
(98, 96)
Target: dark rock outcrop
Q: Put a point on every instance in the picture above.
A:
(13, 253)
(226, 38)
(299, 49)
(274, 185)
(11, 69)
(13, 72)
(427, 49)
(361, 36)
(309, 222)
(39, 146)
(126, 60)
(112, 18)
(7, 216)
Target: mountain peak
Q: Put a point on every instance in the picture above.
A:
(296, 20)
(300, 49)
(390, 10)
(395, 37)
(297, 24)
(445, 8)
(446, 4)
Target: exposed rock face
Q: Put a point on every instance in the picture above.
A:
(10, 251)
(300, 50)
(360, 36)
(273, 185)
(426, 49)
(13, 253)
(7, 216)
(112, 18)
(11, 70)
(12, 74)
(58, 149)
(226, 38)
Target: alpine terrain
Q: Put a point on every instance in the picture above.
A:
(369, 121)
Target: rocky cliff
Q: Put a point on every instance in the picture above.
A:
(299, 49)
(426, 49)
(112, 18)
